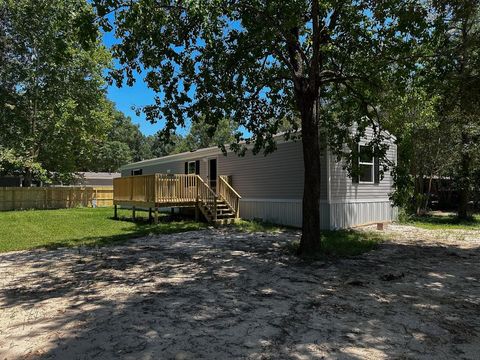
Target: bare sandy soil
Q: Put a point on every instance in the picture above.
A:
(221, 294)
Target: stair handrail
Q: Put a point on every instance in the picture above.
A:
(229, 195)
(206, 186)
(209, 191)
(222, 178)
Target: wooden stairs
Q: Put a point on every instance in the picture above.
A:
(219, 214)
(221, 207)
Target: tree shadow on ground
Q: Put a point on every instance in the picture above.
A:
(141, 227)
(225, 294)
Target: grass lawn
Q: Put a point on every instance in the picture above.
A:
(335, 244)
(342, 244)
(442, 222)
(257, 226)
(20, 230)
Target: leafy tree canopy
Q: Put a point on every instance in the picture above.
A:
(437, 121)
(261, 62)
(52, 90)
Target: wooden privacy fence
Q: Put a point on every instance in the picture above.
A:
(18, 198)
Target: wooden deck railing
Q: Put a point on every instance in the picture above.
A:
(228, 194)
(156, 188)
(139, 189)
(174, 190)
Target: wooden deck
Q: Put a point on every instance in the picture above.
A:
(177, 190)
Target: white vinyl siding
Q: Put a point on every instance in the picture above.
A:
(278, 175)
(343, 189)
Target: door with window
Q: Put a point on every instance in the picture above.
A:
(212, 173)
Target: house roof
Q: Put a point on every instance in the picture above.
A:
(98, 175)
(188, 155)
(214, 150)
(181, 156)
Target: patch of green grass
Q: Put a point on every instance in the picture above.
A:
(451, 222)
(341, 244)
(21, 230)
(257, 226)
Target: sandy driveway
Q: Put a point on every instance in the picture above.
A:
(221, 294)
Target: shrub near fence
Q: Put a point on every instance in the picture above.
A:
(18, 198)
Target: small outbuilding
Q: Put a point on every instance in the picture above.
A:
(96, 178)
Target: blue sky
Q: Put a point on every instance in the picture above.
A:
(127, 97)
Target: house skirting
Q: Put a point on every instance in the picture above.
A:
(337, 215)
(353, 213)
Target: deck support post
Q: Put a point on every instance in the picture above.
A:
(115, 212)
(197, 201)
(150, 218)
(215, 208)
(155, 215)
(133, 213)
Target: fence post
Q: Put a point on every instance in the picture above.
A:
(13, 199)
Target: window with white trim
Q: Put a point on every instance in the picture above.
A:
(365, 165)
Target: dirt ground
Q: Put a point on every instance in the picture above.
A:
(221, 294)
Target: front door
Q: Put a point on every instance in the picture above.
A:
(212, 173)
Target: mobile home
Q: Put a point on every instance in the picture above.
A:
(271, 187)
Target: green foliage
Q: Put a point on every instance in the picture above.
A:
(249, 61)
(110, 156)
(404, 215)
(261, 63)
(124, 131)
(122, 143)
(22, 230)
(421, 143)
(203, 135)
(444, 222)
(200, 135)
(252, 226)
(437, 122)
(341, 244)
(13, 163)
(457, 80)
(52, 91)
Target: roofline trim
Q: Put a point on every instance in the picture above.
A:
(215, 150)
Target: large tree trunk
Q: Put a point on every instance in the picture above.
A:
(310, 242)
(28, 178)
(464, 183)
(463, 199)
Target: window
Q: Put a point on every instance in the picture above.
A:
(365, 164)
(191, 167)
(137, 172)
